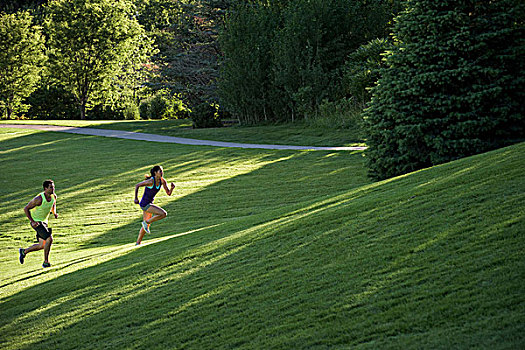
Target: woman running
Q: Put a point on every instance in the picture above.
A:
(151, 212)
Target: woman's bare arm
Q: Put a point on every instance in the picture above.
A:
(147, 182)
(165, 185)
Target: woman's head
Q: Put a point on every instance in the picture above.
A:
(155, 170)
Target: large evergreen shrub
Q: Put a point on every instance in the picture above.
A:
(453, 86)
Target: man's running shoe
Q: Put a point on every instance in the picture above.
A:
(46, 264)
(22, 255)
(145, 226)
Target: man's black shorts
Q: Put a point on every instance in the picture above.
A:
(42, 231)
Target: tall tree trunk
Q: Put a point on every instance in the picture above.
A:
(9, 105)
(82, 108)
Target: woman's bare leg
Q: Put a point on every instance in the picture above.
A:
(142, 232)
(157, 212)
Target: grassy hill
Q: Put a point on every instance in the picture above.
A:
(261, 249)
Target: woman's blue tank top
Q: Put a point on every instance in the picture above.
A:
(149, 193)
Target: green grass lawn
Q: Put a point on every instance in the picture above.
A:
(261, 249)
(298, 134)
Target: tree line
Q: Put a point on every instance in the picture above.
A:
(284, 60)
(432, 81)
(104, 59)
(426, 81)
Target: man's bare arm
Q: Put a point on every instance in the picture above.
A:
(35, 202)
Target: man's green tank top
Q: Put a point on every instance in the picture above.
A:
(41, 213)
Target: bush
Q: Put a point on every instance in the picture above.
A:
(342, 114)
(361, 70)
(131, 112)
(144, 109)
(158, 107)
(180, 110)
(162, 105)
(206, 115)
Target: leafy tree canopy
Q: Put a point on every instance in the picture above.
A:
(21, 60)
(96, 48)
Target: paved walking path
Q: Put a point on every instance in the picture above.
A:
(167, 139)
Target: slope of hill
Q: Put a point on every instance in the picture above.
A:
(321, 259)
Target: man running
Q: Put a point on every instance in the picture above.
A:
(37, 211)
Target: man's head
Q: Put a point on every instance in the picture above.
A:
(49, 186)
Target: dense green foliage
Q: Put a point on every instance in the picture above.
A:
(12, 6)
(454, 85)
(362, 69)
(96, 50)
(246, 84)
(281, 61)
(261, 249)
(22, 59)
